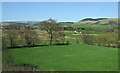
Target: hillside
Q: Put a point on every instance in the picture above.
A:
(98, 21)
(22, 22)
(65, 58)
(102, 21)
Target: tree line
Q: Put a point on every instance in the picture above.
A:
(109, 39)
(17, 33)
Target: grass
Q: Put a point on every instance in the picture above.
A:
(79, 25)
(94, 26)
(93, 32)
(78, 37)
(68, 58)
(74, 57)
(46, 42)
(89, 32)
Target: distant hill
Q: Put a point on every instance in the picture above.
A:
(91, 19)
(102, 21)
(98, 21)
(22, 22)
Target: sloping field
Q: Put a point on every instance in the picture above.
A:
(68, 58)
(103, 21)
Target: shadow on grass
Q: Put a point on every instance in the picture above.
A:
(60, 44)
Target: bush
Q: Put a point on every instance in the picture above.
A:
(88, 39)
(4, 43)
(31, 36)
(7, 58)
(68, 42)
(107, 39)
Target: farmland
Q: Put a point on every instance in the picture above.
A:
(68, 58)
(52, 37)
(73, 55)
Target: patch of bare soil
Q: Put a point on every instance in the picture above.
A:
(87, 34)
(69, 38)
(43, 35)
(68, 31)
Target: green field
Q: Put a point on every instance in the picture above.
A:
(49, 37)
(93, 26)
(78, 25)
(68, 58)
(73, 57)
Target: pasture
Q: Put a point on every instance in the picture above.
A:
(93, 26)
(73, 57)
(68, 58)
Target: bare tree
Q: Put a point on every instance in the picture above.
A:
(12, 33)
(30, 36)
(53, 29)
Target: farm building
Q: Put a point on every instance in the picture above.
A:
(77, 32)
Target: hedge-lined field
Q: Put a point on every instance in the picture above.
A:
(68, 58)
(76, 52)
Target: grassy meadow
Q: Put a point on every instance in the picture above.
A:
(68, 58)
(52, 37)
(74, 57)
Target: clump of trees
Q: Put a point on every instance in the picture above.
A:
(13, 34)
(54, 30)
(109, 39)
(88, 39)
(4, 43)
(30, 36)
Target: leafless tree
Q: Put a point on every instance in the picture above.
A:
(53, 29)
(12, 33)
(30, 36)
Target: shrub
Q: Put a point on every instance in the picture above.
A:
(107, 39)
(31, 37)
(4, 43)
(68, 42)
(88, 39)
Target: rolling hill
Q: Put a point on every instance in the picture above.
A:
(98, 21)
(102, 21)
(22, 22)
